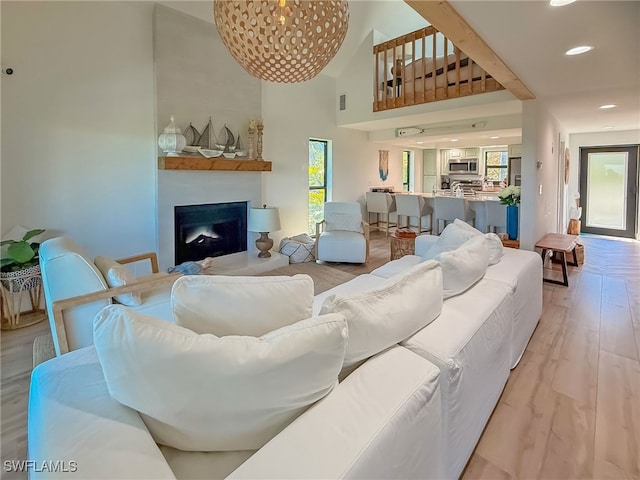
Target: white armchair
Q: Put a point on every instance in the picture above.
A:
(75, 291)
(342, 236)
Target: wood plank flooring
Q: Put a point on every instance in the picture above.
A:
(571, 409)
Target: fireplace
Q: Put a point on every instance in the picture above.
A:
(210, 230)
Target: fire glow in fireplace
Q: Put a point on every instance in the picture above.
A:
(210, 230)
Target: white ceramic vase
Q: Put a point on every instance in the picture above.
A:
(172, 142)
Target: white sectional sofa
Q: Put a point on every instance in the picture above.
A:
(414, 410)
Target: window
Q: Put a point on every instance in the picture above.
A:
(496, 166)
(318, 166)
(407, 171)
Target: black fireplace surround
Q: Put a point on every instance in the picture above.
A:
(210, 230)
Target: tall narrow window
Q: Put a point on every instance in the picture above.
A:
(496, 166)
(407, 171)
(318, 166)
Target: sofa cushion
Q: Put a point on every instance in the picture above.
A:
(496, 249)
(464, 266)
(237, 305)
(117, 275)
(451, 238)
(204, 393)
(399, 265)
(344, 221)
(381, 317)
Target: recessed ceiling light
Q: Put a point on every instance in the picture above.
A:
(608, 106)
(419, 143)
(560, 3)
(494, 137)
(607, 127)
(454, 139)
(578, 50)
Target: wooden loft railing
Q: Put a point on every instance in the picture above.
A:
(406, 73)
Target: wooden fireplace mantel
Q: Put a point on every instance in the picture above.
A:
(197, 162)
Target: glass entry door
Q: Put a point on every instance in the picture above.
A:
(608, 188)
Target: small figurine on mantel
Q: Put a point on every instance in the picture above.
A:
(260, 127)
(251, 153)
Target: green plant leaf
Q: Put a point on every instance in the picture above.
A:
(32, 233)
(20, 252)
(6, 242)
(5, 261)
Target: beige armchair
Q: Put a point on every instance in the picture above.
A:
(76, 290)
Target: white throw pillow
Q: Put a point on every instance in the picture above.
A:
(451, 238)
(237, 305)
(344, 221)
(204, 393)
(382, 317)
(496, 249)
(117, 275)
(464, 266)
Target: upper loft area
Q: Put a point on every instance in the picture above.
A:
(424, 66)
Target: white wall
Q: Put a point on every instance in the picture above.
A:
(598, 139)
(539, 211)
(78, 141)
(293, 114)
(196, 78)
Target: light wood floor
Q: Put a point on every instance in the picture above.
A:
(571, 409)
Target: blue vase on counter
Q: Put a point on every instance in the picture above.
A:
(512, 222)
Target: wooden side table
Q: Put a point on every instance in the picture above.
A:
(561, 244)
(12, 293)
(401, 246)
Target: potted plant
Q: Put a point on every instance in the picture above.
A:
(19, 269)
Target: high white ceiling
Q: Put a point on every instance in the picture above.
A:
(530, 37)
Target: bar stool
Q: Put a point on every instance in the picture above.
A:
(496, 215)
(414, 206)
(449, 208)
(382, 203)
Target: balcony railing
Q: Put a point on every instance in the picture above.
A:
(406, 73)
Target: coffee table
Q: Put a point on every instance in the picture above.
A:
(560, 243)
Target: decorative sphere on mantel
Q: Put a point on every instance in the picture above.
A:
(172, 142)
(283, 41)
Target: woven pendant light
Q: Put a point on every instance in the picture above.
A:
(283, 41)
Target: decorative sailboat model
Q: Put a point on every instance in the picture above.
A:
(239, 150)
(207, 141)
(229, 145)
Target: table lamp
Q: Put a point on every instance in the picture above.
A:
(264, 220)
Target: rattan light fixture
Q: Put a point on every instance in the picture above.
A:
(283, 41)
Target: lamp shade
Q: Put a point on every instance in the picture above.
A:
(264, 219)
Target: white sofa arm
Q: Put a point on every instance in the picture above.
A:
(383, 421)
(74, 421)
(424, 243)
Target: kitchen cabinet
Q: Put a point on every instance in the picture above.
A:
(470, 152)
(515, 150)
(430, 162)
(429, 170)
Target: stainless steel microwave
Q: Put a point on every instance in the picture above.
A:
(460, 166)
